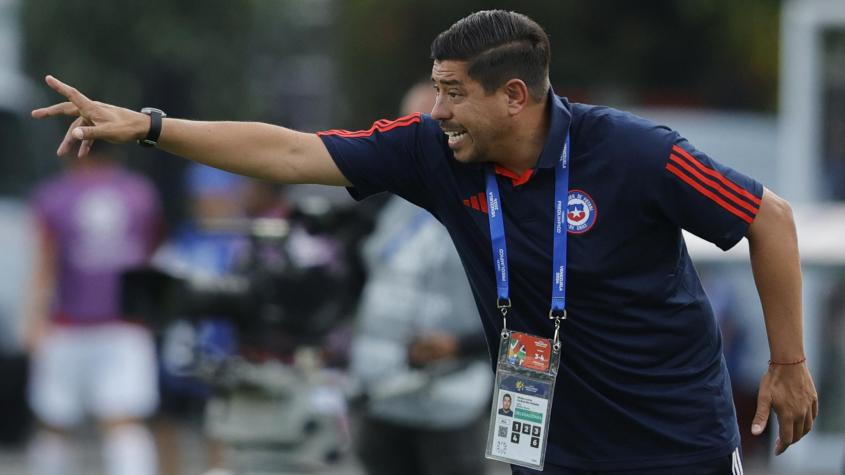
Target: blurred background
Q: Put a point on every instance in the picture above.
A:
(757, 84)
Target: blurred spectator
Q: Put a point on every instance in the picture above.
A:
(16, 240)
(419, 351)
(213, 244)
(308, 244)
(295, 251)
(93, 221)
(199, 253)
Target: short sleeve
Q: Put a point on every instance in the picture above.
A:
(705, 197)
(385, 157)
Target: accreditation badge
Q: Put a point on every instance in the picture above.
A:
(522, 399)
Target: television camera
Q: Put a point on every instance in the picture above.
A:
(274, 404)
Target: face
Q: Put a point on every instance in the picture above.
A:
(475, 121)
(506, 403)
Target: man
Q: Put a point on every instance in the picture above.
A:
(94, 221)
(505, 410)
(642, 384)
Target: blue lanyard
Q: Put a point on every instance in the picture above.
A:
(500, 251)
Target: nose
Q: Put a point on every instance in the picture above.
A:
(441, 110)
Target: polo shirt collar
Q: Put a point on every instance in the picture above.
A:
(560, 118)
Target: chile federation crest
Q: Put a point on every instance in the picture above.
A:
(581, 212)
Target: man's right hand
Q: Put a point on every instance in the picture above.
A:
(94, 120)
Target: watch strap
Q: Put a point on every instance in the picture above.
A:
(156, 116)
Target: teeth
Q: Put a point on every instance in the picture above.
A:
(455, 135)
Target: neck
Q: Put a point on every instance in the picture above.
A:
(522, 149)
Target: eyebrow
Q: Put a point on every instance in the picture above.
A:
(449, 82)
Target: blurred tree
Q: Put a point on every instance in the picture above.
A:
(214, 59)
(706, 53)
(174, 55)
(131, 51)
(278, 60)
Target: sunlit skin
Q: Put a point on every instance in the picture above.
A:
(505, 126)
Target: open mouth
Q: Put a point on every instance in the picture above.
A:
(455, 136)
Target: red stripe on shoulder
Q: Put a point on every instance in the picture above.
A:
(382, 126)
(709, 194)
(712, 184)
(733, 186)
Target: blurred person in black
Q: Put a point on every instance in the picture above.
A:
(638, 321)
(194, 251)
(418, 350)
(239, 229)
(94, 221)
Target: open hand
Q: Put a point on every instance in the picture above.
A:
(94, 120)
(789, 390)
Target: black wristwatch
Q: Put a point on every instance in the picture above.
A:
(156, 116)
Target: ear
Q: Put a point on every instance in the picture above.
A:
(517, 95)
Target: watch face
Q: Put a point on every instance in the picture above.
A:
(152, 110)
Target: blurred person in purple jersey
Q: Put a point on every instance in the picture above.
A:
(94, 220)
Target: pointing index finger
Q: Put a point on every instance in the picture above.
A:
(77, 98)
(65, 108)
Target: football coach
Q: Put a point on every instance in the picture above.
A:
(566, 216)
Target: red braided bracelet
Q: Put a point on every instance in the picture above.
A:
(790, 363)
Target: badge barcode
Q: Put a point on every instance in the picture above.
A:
(503, 431)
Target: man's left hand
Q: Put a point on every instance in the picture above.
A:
(789, 390)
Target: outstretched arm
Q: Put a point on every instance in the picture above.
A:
(787, 386)
(247, 148)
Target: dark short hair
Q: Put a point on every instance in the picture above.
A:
(506, 396)
(499, 45)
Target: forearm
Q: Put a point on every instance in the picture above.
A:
(248, 148)
(785, 387)
(776, 266)
(253, 149)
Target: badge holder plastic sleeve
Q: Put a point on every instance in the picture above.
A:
(521, 437)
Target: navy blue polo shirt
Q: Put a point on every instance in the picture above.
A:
(643, 382)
